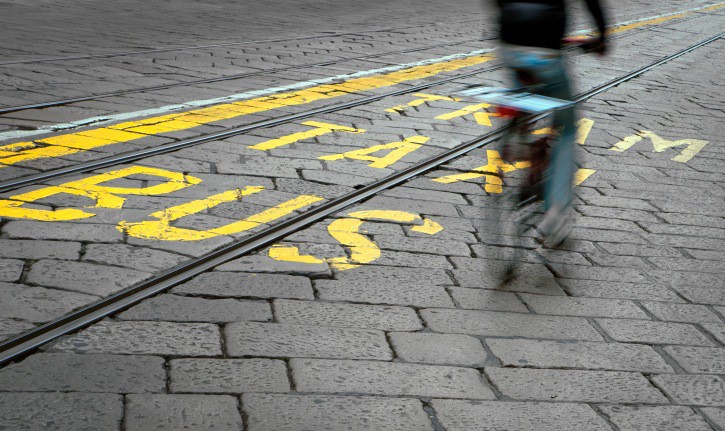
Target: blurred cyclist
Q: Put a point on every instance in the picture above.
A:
(531, 36)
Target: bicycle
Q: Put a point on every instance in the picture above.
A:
(520, 211)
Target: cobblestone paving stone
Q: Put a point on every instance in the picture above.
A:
(622, 328)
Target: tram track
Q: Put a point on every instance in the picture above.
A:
(25, 343)
(131, 156)
(120, 93)
(63, 102)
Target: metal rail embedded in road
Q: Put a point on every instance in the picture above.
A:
(25, 343)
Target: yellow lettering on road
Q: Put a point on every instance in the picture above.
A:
(92, 188)
(692, 146)
(397, 150)
(161, 228)
(581, 175)
(482, 118)
(491, 172)
(422, 98)
(128, 131)
(347, 232)
(319, 130)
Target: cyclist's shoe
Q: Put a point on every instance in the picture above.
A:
(556, 226)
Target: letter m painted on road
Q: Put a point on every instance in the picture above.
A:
(692, 146)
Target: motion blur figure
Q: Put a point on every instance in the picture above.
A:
(531, 33)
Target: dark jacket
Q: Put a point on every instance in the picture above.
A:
(540, 23)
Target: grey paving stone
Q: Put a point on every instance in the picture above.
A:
(145, 259)
(244, 285)
(228, 376)
(386, 318)
(10, 327)
(62, 372)
(173, 412)
(300, 341)
(67, 231)
(389, 275)
(440, 349)
(485, 299)
(580, 272)
(655, 418)
(652, 332)
(574, 386)
(410, 260)
(587, 307)
(699, 360)
(703, 294)
(39, 249)
(27, 411)
(692, 313)
(38, 304)
(373, 292)
(174, 308)
(263, 264)
(464, 415)
(412, 205)
(716, 416)
(487, 323)
(83, 277)
(527, 280)
(606, 289)
(388, 378)
(145, 338)
(423, 245)
(638, 250)
(579, 355)
(11, 269)
(701, 390)
(717, 330)
(333, 413)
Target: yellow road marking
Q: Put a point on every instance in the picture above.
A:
(104, 196)
(422, 98)
(347, 232)
(491, 171)
(161, 228)
(319, 130)
(692, 146)
(398, 151)
(582, 174)
(75, 142)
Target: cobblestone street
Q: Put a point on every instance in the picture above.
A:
(173, 254)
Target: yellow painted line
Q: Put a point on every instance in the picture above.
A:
(63, 145)
(398, 150)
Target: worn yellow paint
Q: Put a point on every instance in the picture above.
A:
(692, 146)
(491, 171)
(397, 150)
(347, 232)
(582, 133)
(291, 254)
(463, 111)
(319, 130)
(92, 188)
(161, 229)
(429, 226)
(582, 174)
(422, 98)
(74, 142)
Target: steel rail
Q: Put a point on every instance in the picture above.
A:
(15, 183)
(131, 156)
(62, 102)
(24, 343)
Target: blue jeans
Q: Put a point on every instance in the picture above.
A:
(547, 67)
